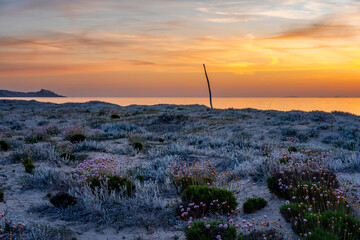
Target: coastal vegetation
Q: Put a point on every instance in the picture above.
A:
(100, 171)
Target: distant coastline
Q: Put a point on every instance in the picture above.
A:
(349, 105)
(41, 93)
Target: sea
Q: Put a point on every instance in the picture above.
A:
(349, 105)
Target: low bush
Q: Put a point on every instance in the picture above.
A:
(30, 140)
(65, 147)
(114, 116)
(28, 164)
(274, 188)
(292, 211)
(51, 129)
(69, 156)
(36, 135)
(70, 131)
(114, 182)
(77, 138)
(321, 234)
(140, 178)
(63, 200)
(137, 146)
(288, 132)
(200, 230)
(282, 183)
(215, 198)
(253, 204)
(1, 196)
(4, 146)
(185, 182)
(197, 173)
(320, 198)
(260, 235)
(338, 224)
(292, 149)
(318, 210)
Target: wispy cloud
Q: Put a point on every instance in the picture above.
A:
(321, 30)
(232, 19)
(53, 38)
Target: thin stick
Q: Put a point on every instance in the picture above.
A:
(208, 86)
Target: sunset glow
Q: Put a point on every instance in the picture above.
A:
(157, 48)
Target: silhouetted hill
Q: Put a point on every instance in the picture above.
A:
(41, 93)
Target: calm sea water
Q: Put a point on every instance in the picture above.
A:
(351, 105)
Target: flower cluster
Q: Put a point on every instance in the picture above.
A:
(97, 169)
(35, 135)
(193, 210)
(65, 147)
(246, 229)
(202, 172)
(51, 129)
(315, 205)
(70, 131)
(266, 148)
(8, 229)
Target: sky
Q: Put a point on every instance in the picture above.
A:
(143, 48)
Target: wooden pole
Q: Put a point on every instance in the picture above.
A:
(208, 86)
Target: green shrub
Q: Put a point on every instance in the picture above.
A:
(4, 146)
(140, 178)
(319, 197)
(31, 140)
(208, 231)
(283, 160)
(257, 235)
(138, 146)
(77, 138)
(292, 149)
(196, 194)
(114, 116)
(321, 234)
(293, 178)
(274, 188)
(185, 182)
(63, 200)
(343, 223)
(161, 140)
(339, 224)
(69, 156)
(253, 204)
(1, 196)
(292, 211)
(116, 183)
(28, 164)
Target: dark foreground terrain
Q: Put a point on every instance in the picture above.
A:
(101, 171)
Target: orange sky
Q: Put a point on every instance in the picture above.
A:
(156, 48)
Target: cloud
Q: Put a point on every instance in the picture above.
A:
(232, 19)
(335, 26)
(69, 7)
